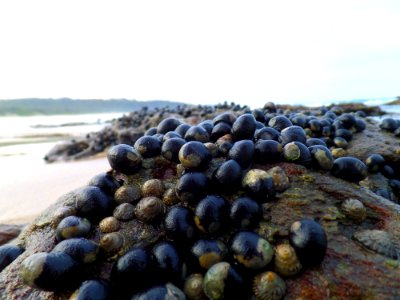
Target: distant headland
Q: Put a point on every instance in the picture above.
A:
(37, 106)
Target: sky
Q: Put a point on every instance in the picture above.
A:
(203, 52)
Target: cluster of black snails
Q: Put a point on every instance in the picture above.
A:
(210, 248)
(391, 125)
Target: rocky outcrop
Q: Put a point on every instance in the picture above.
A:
(363, 254)
(350, 270)
(130, 127)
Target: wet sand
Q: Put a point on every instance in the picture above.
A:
(28, 185)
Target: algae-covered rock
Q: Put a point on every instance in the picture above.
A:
(362, 254)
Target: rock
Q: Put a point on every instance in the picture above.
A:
(353, 268)
(128, 128)
(345, 272)
(9, 232)
(374, 140)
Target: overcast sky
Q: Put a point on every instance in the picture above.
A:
(200, 51)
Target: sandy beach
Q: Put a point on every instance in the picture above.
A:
(28, 185)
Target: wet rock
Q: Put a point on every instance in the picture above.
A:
(9, 232)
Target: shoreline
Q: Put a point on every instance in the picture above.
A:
(25, 191)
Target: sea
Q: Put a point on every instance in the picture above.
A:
(33, 136)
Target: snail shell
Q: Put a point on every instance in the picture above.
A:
(168, 124)
(124, 159)
(107, 183)
(170, 198)
(349, 168)
(134, 266)
(354, 209)
(267, 151)
(259, 184)
(148, 146)
(127, 193)
(222, 281)
(338, 152)
(8, 253)
(49, 271)
(80, 249)
(286, 261)
(194, 287)
(298, 153)
(91, 289)
(153, 187)
(165, 291)
(179, 224)
(293, 134)
(268, 286)
(279, 123)
(72, 227)
(244, 127)
(194, 155)
(321, 157)
(109, 224)
(208, 252)
(251, 250)
(111, 242)
(309, 240)
(124, 212)
(227, 177)
(149, 209)
(242, 152)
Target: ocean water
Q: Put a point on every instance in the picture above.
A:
(392, 111)
(37, 134)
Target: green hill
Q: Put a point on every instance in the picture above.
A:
(35, 106)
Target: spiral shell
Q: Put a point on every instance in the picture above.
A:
(127, 193)
(92, 288)
(354, 209)
(286, 261)
(378, 241)
(258, 184)
(82, 250)
(194, 287)
(298, 153)
(109, 224)
(222, 281)
(153, 187)
(251, 250)
(71, 227)
(124, 212)
(124, 159)
(268, 286)
(8, 253)
(49, 271)
(170, 198)
(112, 242)
(149, 209)
(349, 168)
(279, 179)
(309, 240)
(338, 152)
